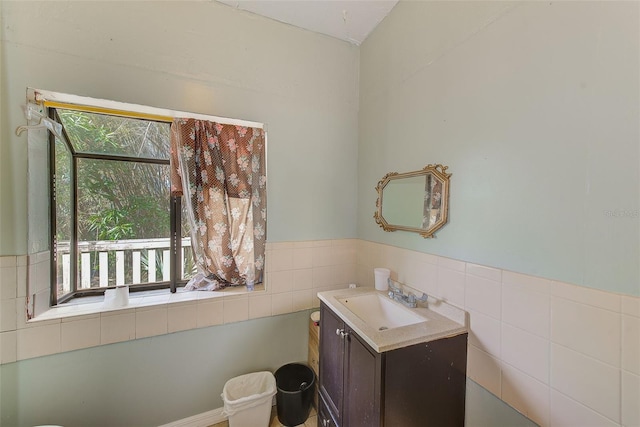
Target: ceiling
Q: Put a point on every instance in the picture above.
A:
(349, 20)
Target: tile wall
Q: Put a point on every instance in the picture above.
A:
(296, 272)
(563, 355)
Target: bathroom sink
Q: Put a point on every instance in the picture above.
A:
(379, 312)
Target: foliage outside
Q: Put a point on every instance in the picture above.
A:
(117, 200)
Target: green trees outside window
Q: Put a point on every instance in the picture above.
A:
(112, 220)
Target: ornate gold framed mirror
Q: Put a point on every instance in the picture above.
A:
(415, 201)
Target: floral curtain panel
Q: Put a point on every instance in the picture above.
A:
(220, 171)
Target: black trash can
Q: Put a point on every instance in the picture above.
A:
(295, 385)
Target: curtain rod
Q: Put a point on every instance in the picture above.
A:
(103, 106)
(108, 111)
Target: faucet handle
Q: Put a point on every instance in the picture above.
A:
(414, 298)
(395, 289)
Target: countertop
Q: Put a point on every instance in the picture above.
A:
(442, 321)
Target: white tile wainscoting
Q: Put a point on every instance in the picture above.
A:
(313, 266)
(561, 354)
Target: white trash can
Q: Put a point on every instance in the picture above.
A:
(247, 399)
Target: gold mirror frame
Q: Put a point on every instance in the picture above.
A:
(439, 173)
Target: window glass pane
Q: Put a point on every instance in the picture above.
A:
(102, 134)
(123, 223)
(188, 265)
(64, 210)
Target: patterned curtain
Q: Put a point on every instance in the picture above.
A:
(220, 169)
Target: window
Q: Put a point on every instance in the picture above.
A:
(112, 214)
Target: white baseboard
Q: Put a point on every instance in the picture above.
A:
(204, 419)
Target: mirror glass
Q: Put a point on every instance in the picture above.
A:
(414, 201)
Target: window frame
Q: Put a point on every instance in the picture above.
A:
(175, 217)
(51, 100)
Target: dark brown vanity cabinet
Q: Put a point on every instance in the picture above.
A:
(419, 385)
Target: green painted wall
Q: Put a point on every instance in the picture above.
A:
(151, 381)
(534, 107)
(201, 57)
(483, 409)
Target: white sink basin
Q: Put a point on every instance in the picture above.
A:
(379, 312)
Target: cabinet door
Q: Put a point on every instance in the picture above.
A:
(331, 361)
(324, 417)
(362, 388)
(425, 384)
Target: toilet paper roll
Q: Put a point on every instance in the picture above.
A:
(118, 297)
(381, 276)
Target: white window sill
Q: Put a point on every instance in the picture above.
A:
(156, 298)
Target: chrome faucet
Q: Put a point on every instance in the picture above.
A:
(410, 299)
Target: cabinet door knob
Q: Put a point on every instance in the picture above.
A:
(325, 422)
(342, 333)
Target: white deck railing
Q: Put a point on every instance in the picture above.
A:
(129, 255)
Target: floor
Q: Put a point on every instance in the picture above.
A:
(311, 421)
